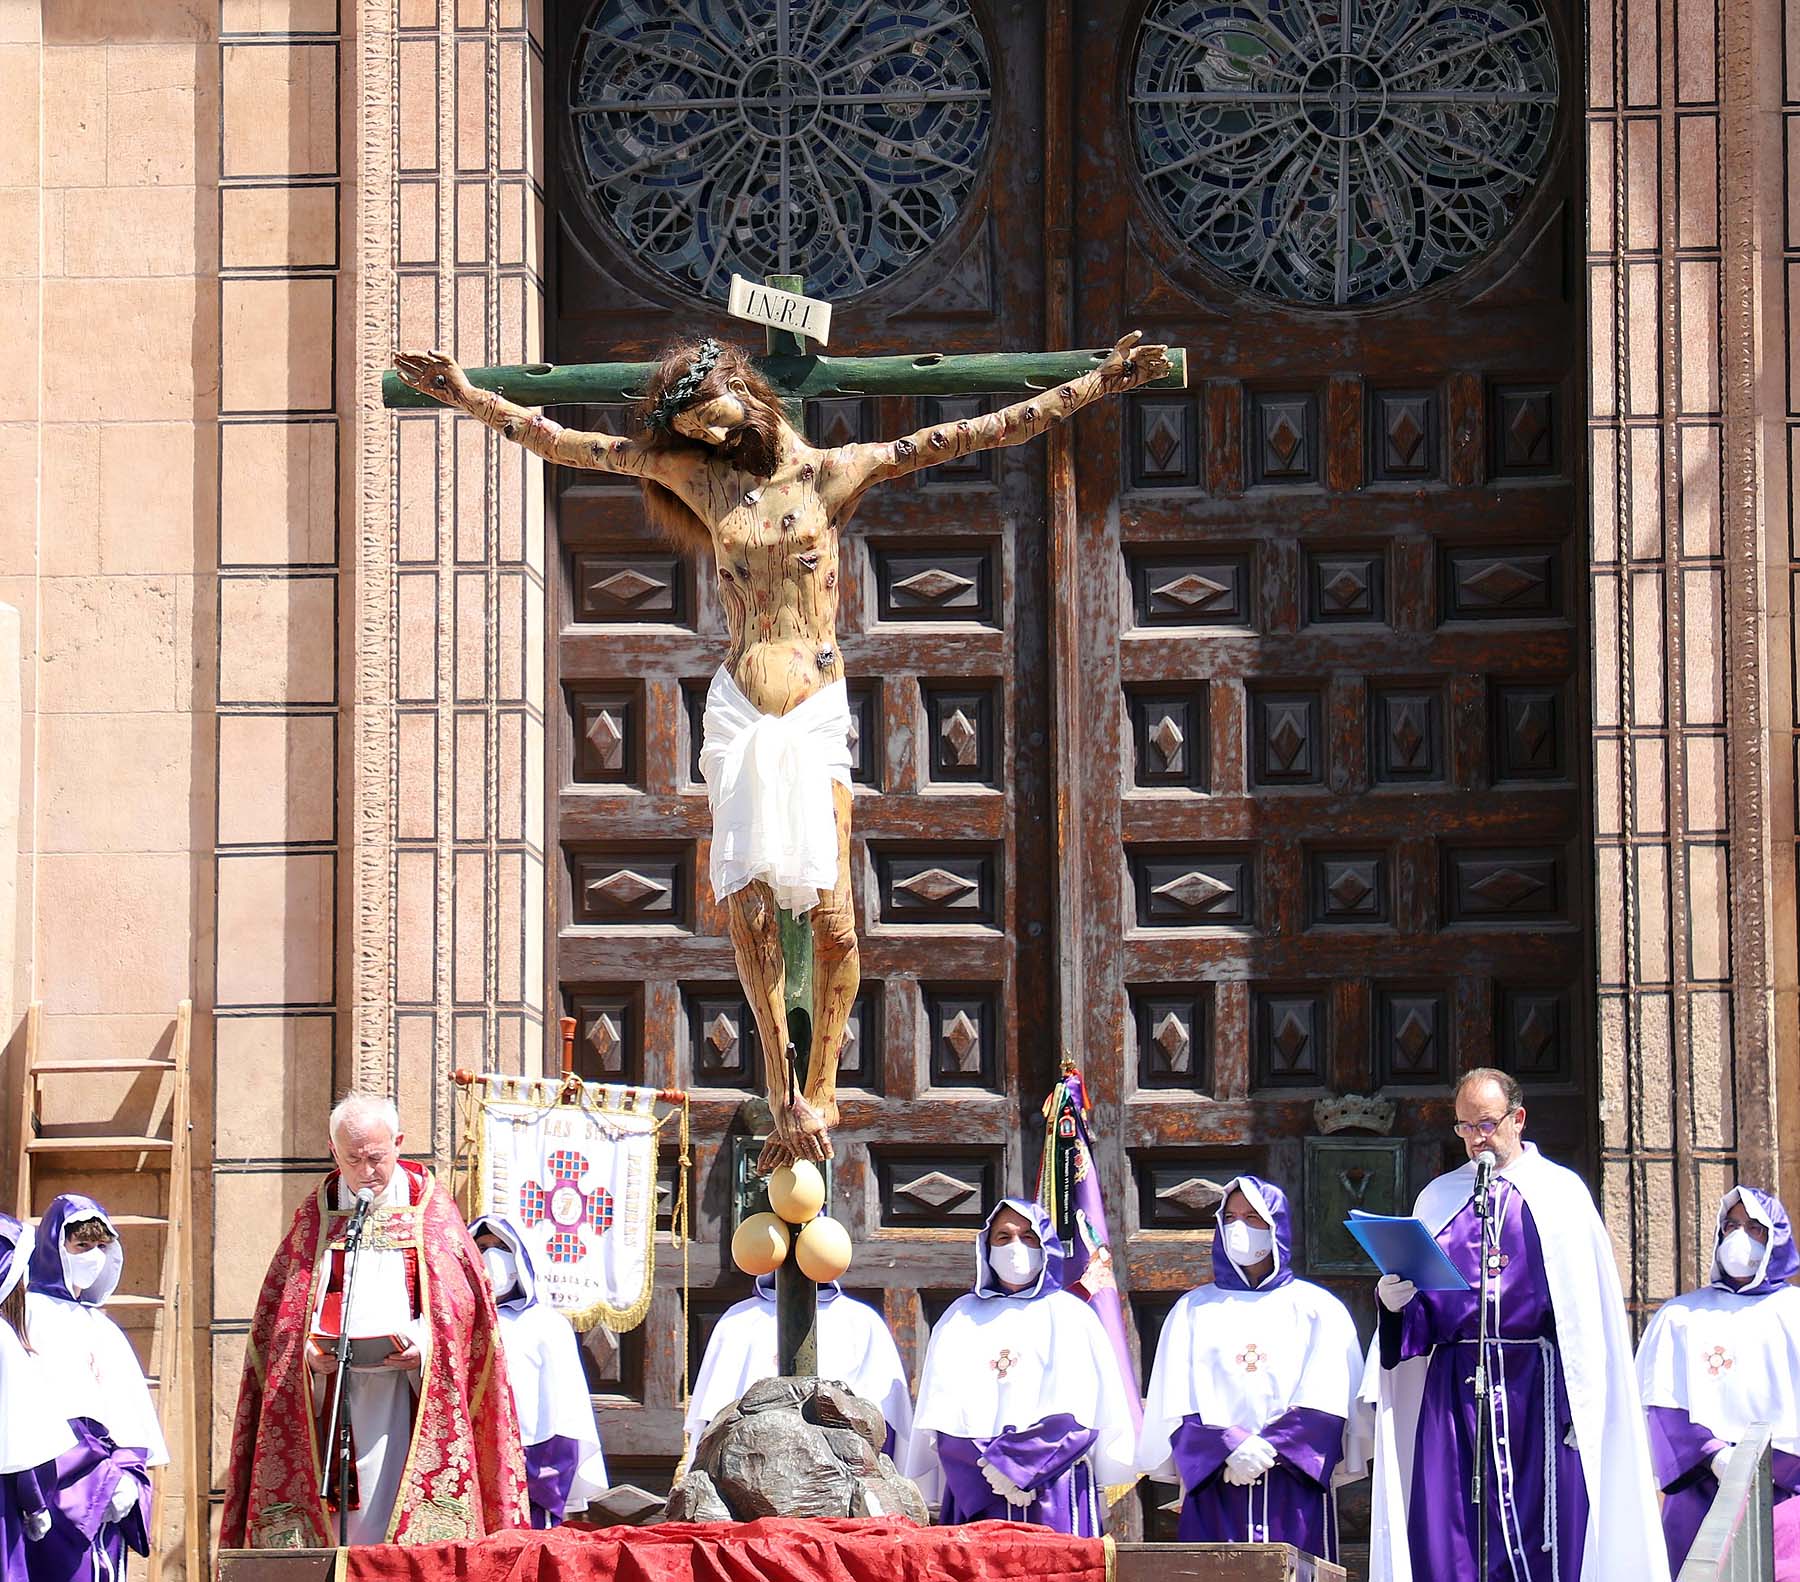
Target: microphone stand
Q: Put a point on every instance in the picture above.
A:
(340, 1409)
(1478, 1481)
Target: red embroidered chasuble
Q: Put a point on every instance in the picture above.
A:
(465, 1467)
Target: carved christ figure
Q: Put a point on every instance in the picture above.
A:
(722, 470)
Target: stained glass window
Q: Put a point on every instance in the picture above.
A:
(837, 139)
(1342, 152)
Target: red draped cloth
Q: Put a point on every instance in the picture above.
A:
(777, 1549)
(465, 1468)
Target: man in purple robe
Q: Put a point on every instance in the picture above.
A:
(98, 1494)
(1566, 1465)
(1022, 1415)
(1254, 1384)
(1719, 1359)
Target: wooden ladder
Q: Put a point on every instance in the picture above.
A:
(172, 1374)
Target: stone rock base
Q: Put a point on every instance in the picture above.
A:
(794, 1447)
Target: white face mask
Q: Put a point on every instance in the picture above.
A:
(502, 1269)
(1245, 1244)
(1740, 1254)
(82, 1269)
(1016, 1262)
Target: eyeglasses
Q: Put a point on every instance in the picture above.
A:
(1482, 1129)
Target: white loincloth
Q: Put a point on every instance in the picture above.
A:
(768, 777)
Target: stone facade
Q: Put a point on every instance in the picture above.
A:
(280, 681)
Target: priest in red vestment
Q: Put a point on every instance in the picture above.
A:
(435, 1453)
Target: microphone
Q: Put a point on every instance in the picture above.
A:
(1485, 1164)
(365, 1198)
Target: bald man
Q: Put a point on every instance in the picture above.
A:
(380, 1256)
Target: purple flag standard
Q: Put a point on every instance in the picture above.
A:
(1069, 1188)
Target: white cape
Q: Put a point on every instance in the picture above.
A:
(34, 1423)
(855, 1347)
(93, 1371)
(543, 1362)
(1727, 1361)
(1624, 1530)
(769, 777)
(1302, 1351)
(1060, 1361)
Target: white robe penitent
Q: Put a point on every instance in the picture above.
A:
(1728, 1361)
(380, 1399)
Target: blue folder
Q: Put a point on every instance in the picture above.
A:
(1402, 1245)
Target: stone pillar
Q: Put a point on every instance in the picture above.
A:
(1690, 648)
(447, 611)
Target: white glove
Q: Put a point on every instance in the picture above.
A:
(1004, 1486)
(124, 1500)
(1393, 1293)
(1722, 1459)
(37, 1523)
(1252, 1458)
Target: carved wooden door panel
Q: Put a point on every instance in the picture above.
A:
(943, 624)
(1333, 593)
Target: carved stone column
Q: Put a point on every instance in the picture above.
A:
(1689, 627)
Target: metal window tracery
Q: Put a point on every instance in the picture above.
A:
(837, 139)
(1342, 152)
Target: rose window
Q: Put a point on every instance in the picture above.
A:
(1342, 152)
(838, 139)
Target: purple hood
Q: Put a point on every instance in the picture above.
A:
(1049, 1278)
(1271, 1202)
(15, 1253)
(524, 1290)
(47, 1277)
(1781, 1260)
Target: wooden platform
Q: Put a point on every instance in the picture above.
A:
(1136, 1563)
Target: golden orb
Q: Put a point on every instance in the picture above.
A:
(822, 1249)
(797, 1191)
(760, 1244)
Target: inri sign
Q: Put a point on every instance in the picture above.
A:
(780, 310)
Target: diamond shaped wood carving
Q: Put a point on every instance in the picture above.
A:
(1194, 890)
(1193, 591)
(934, 584)
(961, 738)
(1167, 738)
(624, 888)
(936, 885)
(937, 1189)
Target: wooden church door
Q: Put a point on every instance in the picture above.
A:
(887, 149)
(1327, 709)
(1335, 600)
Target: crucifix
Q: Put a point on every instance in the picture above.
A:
(725, 469)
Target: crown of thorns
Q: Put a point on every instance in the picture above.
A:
(679, 394)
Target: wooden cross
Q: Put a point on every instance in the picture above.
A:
(799, 376)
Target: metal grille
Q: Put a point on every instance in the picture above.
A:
(1342, 152)
(834, 140)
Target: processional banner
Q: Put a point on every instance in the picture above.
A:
(573, 1165)
(1069, 1187)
